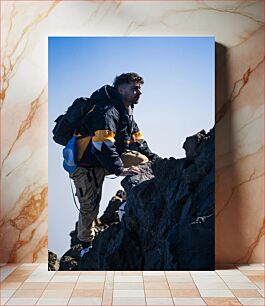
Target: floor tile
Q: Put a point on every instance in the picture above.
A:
(232, 272)
(212, 285)
(235, 279)
(56, 294)
(28, 293)
(96, 273)
(128, 293)
(40, 271)
(22, 301)
(70, 273)
(7, 293)
(128, 301)
(177, 273)
(91, 278)
(6, 271)
(157, 293)
(153, 273)
(53, 301)
(38, 285)
(256, 278)
(44, 266)
(182, 286)
(85, 301)
(261, 292)
(215, 301)
(253, 272)
(61, 286)
(155, 278)
(156, 285)
(12, 278)
(260, 285)
(64, 278)
(251, 301)
(107, 297)
(183, 293)
(39, 278)
(89, 285)
(87, 293)
(28, 266)
(128, 273)
(215, 280)
(179, 279)
(209, 273)
(9, 266)
(251, 267)
(188, 301)
(202, 277)
(241, 285)
(110, 273)
(30, 284)
(109, 285)
(129, 286)
(246, 293)
(128, 279)
(159, 301)
(10, 286)
(23, 271)
(216, 293)
(3, 300)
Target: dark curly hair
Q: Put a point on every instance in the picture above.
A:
(127, 78)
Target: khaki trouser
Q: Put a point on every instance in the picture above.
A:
(88, 184)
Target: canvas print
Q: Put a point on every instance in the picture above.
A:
(131, 153)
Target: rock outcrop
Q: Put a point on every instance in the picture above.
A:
(53, 262)
(169, 219)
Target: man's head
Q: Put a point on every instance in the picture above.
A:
(128, 85)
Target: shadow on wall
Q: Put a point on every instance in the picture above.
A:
(224, 157)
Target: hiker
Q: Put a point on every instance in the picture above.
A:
(116, 146)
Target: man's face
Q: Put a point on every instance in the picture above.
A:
(130, 92)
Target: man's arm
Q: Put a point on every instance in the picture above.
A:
(139, 144)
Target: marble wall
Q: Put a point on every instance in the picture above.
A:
(238, 28)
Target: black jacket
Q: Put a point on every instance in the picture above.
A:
(113, 130)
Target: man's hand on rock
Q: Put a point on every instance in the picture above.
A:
(130, 171)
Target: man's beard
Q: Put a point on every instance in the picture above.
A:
(135, 101)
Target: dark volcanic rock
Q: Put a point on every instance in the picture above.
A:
(69, 261)
(169, 219)
(53, 262)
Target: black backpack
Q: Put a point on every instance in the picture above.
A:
(71, 122)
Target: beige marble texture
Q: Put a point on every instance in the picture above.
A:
(238, 28)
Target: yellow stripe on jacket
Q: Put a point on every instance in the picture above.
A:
(137, 137)
(103, 136)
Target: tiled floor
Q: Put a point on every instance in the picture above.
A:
(32, 284)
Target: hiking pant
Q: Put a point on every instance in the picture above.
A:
(88, 184)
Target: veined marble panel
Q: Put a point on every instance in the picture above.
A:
(238, 28)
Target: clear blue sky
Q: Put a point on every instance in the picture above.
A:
(177, 101)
